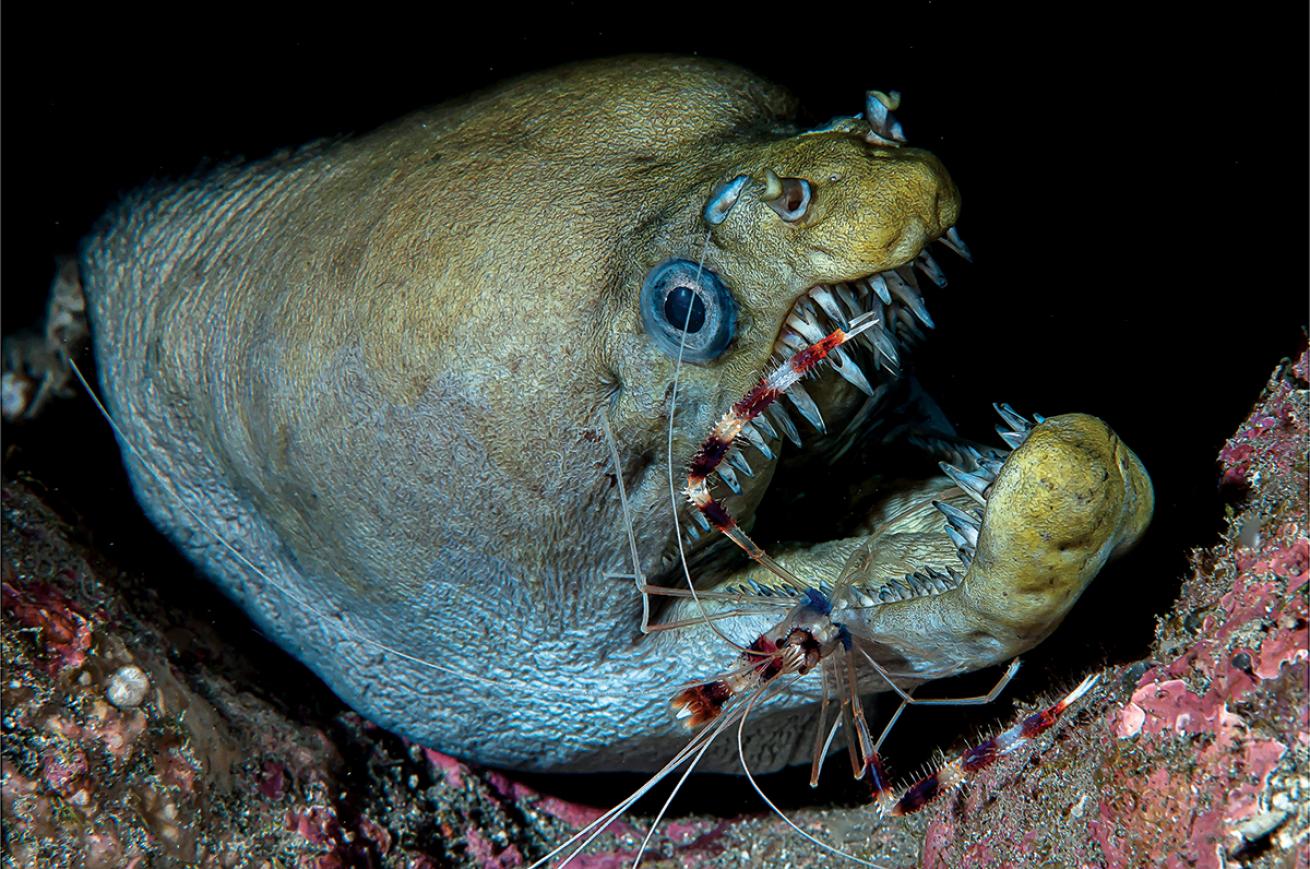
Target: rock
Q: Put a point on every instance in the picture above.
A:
(127, 687)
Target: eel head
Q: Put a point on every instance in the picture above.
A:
(791, 235)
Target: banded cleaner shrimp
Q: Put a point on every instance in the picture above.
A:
(804, 623)
(807, 638)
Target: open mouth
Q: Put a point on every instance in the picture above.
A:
(810, 477)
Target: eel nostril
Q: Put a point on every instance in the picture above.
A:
(794, 200)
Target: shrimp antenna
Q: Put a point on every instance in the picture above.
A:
(673, 492)
(745, 768)
(637, 575)
(694, 747)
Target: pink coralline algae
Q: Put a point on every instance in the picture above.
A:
(1210, 767)
(1267, 442)
(452, 771)
(65, 630)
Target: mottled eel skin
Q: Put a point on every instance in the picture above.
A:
(376, 368)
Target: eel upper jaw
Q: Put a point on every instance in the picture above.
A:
(834, 406)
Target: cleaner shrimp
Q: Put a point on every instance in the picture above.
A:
(818, 632)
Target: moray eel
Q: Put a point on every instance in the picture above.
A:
(361, 385)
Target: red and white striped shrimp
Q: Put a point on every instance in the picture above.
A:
(816, 632)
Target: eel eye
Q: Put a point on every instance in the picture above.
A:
(794, 200)
(683, 306)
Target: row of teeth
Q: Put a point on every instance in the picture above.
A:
(887, 295)
(962, 526)
(921, 583)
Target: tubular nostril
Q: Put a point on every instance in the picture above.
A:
(793, 200)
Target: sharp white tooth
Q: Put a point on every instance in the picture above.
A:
(971, 534)
(779, 414)
(808, 330)
(878, 284)
(953, 241)
(849, 301)
(876, 308)
(792, 341)
(929, 267)
(883, 343)
(701, 520)
(762, 423)
(684, 712)
(962, 522)
(921, 311)
(1038, 418)
(910, 296)
(1012, 418)
(828, 302)
(893, 319)
(729, 477)
(757, 440)
(692, 532)
(801, 400)
(1012, 438)
(846, 367)
(784, 347)
(960, 541)
(973, 485)
(990, 468)
(738, 461)
(813, 315)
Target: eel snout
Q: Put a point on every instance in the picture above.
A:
(1071, 496)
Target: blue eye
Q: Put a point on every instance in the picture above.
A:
(687, 307)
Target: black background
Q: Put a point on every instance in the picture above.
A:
(1134, 181)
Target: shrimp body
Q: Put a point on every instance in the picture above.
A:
(804, 637)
